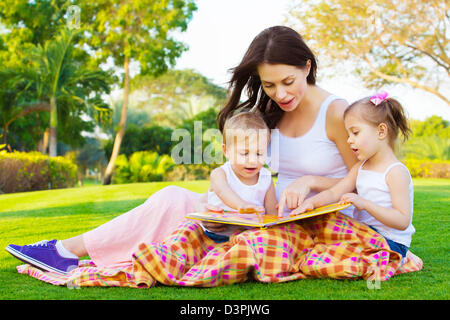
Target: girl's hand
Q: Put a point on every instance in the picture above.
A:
(305, 206)
(354, 199)
(293, 196)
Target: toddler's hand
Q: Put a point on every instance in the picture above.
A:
(354, 199)
(250, 208)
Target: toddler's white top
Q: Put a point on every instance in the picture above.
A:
(254, 194)
(372, 185)
(310, 154)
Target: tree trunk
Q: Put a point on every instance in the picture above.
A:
(53, 125)
(121, 132)
(5, 131)
(43, 144)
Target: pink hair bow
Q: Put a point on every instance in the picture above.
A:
(379, 97)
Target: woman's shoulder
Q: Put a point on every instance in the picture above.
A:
(336, 109)
(335, 120)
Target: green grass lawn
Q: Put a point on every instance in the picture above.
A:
(29, 217)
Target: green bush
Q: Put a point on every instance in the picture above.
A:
(22, 171)
(190, 172)
(428, 168)
(142, 166)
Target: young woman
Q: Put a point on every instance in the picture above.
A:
(278, 73)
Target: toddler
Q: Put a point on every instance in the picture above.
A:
(242, 182)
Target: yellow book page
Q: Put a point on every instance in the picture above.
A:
(261, 220)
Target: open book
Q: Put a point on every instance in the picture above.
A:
(261, 220)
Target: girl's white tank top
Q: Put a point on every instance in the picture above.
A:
(372, 185)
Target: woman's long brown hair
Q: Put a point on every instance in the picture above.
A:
(275, 45)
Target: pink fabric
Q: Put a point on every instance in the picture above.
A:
(114, 241)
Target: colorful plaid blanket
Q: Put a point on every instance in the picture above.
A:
(332, 246)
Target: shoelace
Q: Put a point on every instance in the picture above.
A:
(41, 243)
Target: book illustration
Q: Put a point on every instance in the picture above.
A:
(261, 220)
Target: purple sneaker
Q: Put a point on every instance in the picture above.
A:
(43, 254)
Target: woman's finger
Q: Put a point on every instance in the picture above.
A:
(292, 200)
(281, 204)
(300, 199)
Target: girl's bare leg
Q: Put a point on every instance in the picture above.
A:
(75, 245)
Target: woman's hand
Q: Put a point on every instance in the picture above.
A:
(293, 196)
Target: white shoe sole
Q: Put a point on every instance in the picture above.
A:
(32, 261)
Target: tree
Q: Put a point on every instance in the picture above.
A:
(62, 80)
(31, 24)
(138, 31)
(430, 140)
(399, 41)
(152, 138)
(14, 92)
(176, 96)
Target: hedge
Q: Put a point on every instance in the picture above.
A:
(31, 171)
(428, 168)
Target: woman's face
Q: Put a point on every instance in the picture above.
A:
(284, 84)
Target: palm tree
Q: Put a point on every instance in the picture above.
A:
(62, 80)
(17, 98)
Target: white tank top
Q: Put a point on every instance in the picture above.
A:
(255, 193)
(372, 185)
(310, 154)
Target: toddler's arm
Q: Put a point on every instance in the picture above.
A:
(220, 186)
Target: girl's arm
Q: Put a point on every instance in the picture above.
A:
(332, 195)
(397, 217)
(270, 200)
(294, 195)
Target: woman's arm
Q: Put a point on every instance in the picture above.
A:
(337, 133)
(270, 200)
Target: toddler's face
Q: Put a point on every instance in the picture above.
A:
(247, 153)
